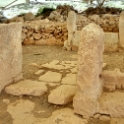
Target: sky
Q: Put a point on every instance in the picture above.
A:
(3, 3)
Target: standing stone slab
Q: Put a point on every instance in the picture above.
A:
(90, 58)
(10, 53)
(89, 68)
(121, 29)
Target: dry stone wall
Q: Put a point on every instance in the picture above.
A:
(44, 32)
(108, 22)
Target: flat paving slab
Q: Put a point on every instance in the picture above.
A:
(27, 87)
(51, 77)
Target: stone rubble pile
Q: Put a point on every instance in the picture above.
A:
(108, 22)
(44, 32)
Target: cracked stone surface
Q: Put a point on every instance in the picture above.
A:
(21, 112)
(62, 95)
(112, 104)
(51, 77)
(27, 87)
(70, 79)
(65, 116)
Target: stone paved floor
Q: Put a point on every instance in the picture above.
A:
(54, 70)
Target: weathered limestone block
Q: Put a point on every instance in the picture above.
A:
(113, 80)
(27, 87)
(10, 53)
(90, 57)
(85, 104)
(112, 104)
(109, 80)
(62, 95)
(111, 41)
(121, 29)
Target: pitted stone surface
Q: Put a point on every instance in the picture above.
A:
(113, 79)
(85, 104)
(21, 112)
(51, 77)
(90, 61)
(27, 87)
(65, 116)
(62, 95)
(112, 104)
(90, 58)
(10, 53)
(70, 79)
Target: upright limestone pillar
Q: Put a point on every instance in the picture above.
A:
(10, 53)
(90, 61)
(71, 27)
(121, 29)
